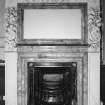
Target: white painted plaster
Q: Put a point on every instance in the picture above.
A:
(11, 78)
(94, 78)
(11, 3)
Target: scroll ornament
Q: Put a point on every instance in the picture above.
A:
(94, 25)
(11, 28)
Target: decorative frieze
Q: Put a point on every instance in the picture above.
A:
(94, 24)
(11, 29)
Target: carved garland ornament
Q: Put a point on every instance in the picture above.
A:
(11, 28)
(94, 24)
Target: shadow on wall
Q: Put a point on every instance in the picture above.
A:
(102, 84)
(2, 82)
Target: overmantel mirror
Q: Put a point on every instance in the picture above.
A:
(52, 23)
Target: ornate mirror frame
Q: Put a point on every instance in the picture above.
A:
(20, 21)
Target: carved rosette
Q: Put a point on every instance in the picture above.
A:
(94, 24)
(11, 29)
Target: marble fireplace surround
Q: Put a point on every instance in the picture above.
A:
(15, 94)
(64, 54)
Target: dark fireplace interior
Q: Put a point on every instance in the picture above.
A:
(54, 84)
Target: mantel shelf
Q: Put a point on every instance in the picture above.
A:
(25, 44)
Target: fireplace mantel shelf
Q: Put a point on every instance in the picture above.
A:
(25, 44)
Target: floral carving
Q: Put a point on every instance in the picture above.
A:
(11, 28)
(94, 24)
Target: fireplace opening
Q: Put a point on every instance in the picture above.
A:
(52, 83)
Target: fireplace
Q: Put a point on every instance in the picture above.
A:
(52, 83)
(52, 75)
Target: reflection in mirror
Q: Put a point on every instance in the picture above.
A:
(52, 24)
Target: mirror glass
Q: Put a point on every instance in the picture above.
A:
(52, 24)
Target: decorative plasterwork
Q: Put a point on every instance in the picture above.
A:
(94, 24)
(11, 29)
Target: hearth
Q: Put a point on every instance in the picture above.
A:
(52, 83)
